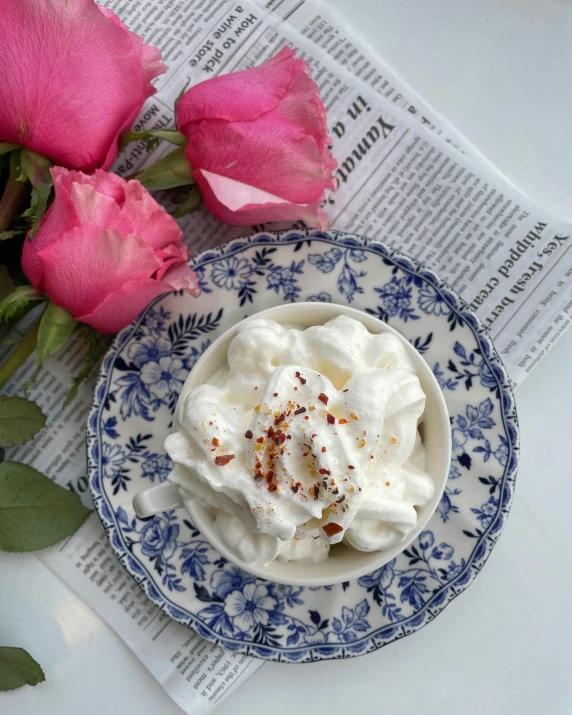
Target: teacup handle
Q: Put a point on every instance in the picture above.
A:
(154, 500)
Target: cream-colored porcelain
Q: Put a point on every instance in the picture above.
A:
(344, 563)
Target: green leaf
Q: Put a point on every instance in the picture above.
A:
(190, 204)
(17, 300)
(5, 235)
(6, 147)
(34, 511)
(14, 192)
(169, 135)
(94, 355)
(18, 668)
(170, 171)
(181, 93)
(20, 420)
(55, 329)
(37, 169)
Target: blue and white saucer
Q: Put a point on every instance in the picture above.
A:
(132, 412)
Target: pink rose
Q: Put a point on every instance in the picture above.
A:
(105, 249)
(258, 143)
(72, 78)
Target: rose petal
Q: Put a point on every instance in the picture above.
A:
(241, 151)
(239, 96)
(150, 56)
(182, 277)
(229, 201)
(302, 106)
(103, 261)
(121, 307)
(150, 221)
(70, 80)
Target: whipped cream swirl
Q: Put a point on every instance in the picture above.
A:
(308, 438)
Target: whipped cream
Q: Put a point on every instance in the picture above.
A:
(306, 439)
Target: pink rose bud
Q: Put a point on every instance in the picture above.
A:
(105, 249)
(258, 143)
(72, 78)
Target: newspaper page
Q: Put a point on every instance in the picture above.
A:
(398, 181)
(196, 673)
(404, 178)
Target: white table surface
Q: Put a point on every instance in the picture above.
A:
(500, 70)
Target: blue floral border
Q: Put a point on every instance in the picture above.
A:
(485, 543)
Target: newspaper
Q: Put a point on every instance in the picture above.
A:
(402, 177)
(196, 674)
(405, 177)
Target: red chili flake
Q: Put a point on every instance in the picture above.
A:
(256, 388)
(272, 487)
(289, 436)
(270, 476)
(270, 432)
(314, 435)
(303, 380)
(347, 388)
(387, 484)
(332, 528)
(275, 394)
(316, 491)
(305, 454)
(342, 421)
(258, 477)
(296, 389)
(210, 423)
(341, 499)
(294, 489)
(335, 491)
(300, 410)
(248, 434)
(260, 440)
(223, 459)
(215, 442)
(323, 398)
(331, 419)
(258, 465)
(306, 417)
(279, 419)
(350, 466)
(324, 449)
(324, 471)
(280, 438)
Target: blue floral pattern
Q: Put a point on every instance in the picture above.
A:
(133, 411)
(156, 365)
(349, 276)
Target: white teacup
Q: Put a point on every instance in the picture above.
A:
(344, 562)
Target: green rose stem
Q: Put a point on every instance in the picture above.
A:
(18, 356)
(14, 193)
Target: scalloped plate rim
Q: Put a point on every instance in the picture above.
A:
(449, 591)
